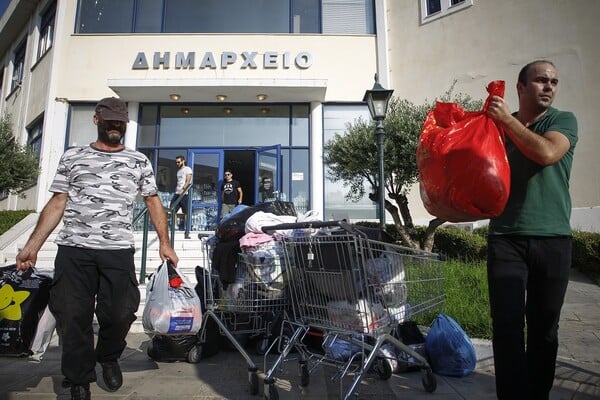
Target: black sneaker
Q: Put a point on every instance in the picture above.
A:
(80, 392)
(111, 373)
(66, 383)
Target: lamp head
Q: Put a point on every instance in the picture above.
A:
(378, 99)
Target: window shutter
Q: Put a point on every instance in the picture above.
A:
(348, 17)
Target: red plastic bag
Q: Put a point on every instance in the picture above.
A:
(463, 169)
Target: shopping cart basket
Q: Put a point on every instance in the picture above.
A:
(355, 290)
(248, 306)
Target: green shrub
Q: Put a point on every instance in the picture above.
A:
(460, 245)
(586, 254)
(10, 218)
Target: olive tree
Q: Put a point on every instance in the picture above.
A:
(352, 159)
(19, 166)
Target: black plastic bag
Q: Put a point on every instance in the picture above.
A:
(408, 333)
(23, 299)
(278, 208)
(170, 348)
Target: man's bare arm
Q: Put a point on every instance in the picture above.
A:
(544, 149)
(49, 219)
(159, 220)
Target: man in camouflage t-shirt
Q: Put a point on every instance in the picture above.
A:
(94, 192)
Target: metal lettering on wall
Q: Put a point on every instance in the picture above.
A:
(227, 59)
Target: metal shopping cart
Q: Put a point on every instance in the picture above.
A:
(354, 290)
(249, 305)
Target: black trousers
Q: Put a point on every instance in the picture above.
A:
(88, 281)
(527, 279)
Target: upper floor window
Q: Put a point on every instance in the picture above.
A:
(18, 66)
(434, 9)
(226, 16)
(348, 16)
(46, 30)
(34, 136)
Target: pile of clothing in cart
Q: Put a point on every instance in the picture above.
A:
(239, 237)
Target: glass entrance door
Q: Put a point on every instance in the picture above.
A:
(268, 169)
(204, 194)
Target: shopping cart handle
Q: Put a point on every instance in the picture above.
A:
(307, 225)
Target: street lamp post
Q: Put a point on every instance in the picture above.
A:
(377, 100)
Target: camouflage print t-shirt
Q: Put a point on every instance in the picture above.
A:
(102, 188)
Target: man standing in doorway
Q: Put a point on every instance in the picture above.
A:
(231, 193)
(184, 180)
(529, 244)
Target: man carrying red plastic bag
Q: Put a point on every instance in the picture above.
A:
(463, 170)
(530, 242)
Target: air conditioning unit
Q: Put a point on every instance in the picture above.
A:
(461, 226)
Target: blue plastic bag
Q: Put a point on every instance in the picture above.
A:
(450, 350)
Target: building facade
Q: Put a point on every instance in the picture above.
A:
(257, 86)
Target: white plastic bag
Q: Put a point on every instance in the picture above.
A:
(43, 336)
(171, 310)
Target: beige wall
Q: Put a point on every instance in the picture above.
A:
(40, 81)
(492, 40)
(347, 63)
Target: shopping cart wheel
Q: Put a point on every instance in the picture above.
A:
(271, 392)
(383, 368)
(253, 380)
(194, 354)
(150, 351)
(304, 375)
(261, 346)
(428, 380)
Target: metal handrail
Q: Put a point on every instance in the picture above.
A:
(172, 216)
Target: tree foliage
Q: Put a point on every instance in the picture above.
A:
(352, 159)
(19, 166)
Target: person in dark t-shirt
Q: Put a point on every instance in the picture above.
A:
(231, 193)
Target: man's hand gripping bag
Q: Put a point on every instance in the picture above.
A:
(463, 170)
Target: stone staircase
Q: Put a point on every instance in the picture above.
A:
(191, 252)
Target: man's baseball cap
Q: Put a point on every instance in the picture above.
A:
(112, 109)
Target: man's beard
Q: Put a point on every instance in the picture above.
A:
(110, 134)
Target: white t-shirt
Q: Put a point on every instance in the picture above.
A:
(182, 173)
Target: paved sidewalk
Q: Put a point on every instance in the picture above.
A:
(225, 376)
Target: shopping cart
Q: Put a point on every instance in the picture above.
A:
(247, 307)
(354, 290)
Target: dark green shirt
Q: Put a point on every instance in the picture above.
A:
(539, 203)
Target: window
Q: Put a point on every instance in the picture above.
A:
(305, 16)
(226, 16)
(46, 30)
(105, 16)
(231, 16)
(434, 9)
(34, 136)
(81, 130)
(348, 16)
(335, 118)
(18, 66)
(148, 16)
